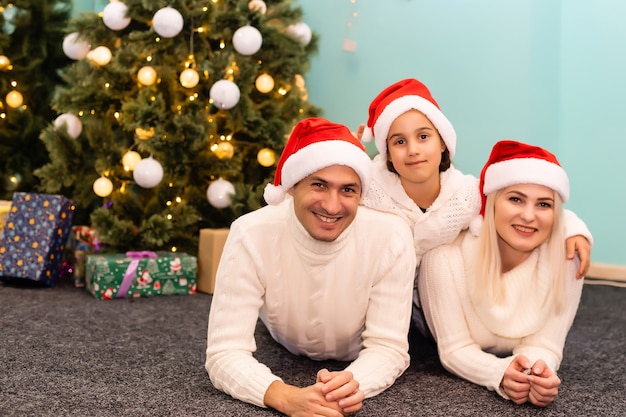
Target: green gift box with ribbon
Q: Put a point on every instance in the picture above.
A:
(140, 274)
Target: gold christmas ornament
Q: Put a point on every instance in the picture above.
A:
(144, 134)
(102, 187)
(224, 150)
(100, 55)
(130, 159)
(257, 6)
(189, 78)
(147, 75)
(14, 99)
(299, 81)
(266, 157)
(5, 62)
(264, 83)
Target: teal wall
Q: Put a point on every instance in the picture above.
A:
(88, 6)
(551, 73)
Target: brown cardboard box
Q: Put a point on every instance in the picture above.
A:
(5, 207)
(209, 252)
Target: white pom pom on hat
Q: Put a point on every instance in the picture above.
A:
(512, 162)
(316, 143)
(396, 100)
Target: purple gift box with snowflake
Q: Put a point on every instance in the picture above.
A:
(140, 274)
(34, 238)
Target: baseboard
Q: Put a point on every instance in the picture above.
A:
(607, 272)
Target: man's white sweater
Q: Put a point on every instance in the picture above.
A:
(348, 300)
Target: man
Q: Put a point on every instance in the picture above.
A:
(329, 279)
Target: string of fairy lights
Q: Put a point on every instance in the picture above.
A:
(349, 44)
(168, 22)
(13, 98)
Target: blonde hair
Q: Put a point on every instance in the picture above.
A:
(488, 287)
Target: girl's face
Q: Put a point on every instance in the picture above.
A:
(524, 215)
(414, 147)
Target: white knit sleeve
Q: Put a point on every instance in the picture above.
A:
(235, 306)
(575, 226)
(547, 344)
(443, 294)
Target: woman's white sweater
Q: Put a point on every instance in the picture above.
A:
(477, 342)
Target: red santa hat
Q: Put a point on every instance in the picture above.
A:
(396, 100)
(314, 144)
(513, 162)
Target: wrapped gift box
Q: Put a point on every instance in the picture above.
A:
(210, 250)
(34, 238)
(140, 274)
(83, 241)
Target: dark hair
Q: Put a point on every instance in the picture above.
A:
(445, 163)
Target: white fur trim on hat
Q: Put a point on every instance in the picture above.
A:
(318, 156)
(367, 135)
(403, 104)
(273, 194)
(526, 171)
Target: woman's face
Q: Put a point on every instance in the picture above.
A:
(414, 147)
(524, 215)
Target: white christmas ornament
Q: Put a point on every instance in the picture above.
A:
(257, 6)
(247, 40)
(74, 47)
(148, 173)
(219, 193)
(264, 83)
(72, 124)
(225, 94)
(300, 32)
(114, 15)
(167, 22)
(147, 75)
(102, 187)
(189, 78)
(100, 56)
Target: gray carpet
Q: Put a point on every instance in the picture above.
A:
(65, 353)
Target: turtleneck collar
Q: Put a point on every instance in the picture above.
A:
(309, 245)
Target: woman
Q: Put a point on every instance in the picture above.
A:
(500, 300)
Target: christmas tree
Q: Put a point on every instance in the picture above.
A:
(173, 115)
(30, 58)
